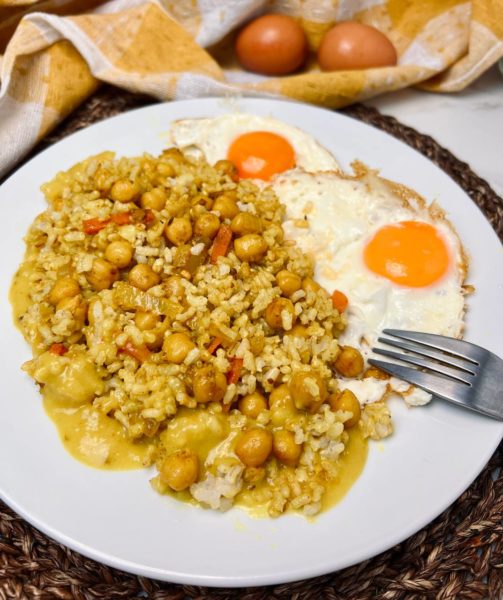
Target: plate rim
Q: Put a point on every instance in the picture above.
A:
(239, 581)
(134, 568)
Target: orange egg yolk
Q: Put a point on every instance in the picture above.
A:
(261, 154)
(410, 253)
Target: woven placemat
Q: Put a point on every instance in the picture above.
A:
(459, 555)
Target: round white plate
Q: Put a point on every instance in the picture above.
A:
(116, 518)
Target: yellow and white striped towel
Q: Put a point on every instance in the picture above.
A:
(54, 53)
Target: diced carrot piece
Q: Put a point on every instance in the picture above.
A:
(235, 373)
(141, 353)
(221, 243)
(122, 218)
(92, 226)
(58, 349)
(339, 301)
(216, 343)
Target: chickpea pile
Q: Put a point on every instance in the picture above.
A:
(199, 231)
(286, 405)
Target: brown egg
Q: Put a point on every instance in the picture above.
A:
(272, 45)
(352, 45)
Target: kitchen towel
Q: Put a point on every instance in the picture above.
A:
(55, 53)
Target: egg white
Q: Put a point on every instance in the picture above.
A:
(332, 217)
(213, 137)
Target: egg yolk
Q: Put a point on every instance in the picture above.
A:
(261, 154)
(410, 253)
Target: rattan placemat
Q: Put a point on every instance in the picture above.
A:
(459, 555)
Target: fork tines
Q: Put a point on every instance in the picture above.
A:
(452, 369)
(416, 346)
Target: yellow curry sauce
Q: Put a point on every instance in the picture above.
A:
(201, 432)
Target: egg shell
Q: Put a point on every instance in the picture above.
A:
(351, 45)
(272, 45)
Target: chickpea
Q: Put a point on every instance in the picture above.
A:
(250, 248)
(226, 167)
(202, 201)
(281, 406)
(207, 225)
(252, 405)
(209, 385)
(68, 303)
(349, 363)
(244, 223)
(76, 305)
(102, 179)
(176, 347)
(155, 199)
(179, 231)
(102, 274)
(226, 206)
(254, 446)
(142, 276)
(145, 320)
(174, 154)
(174, 287)
(148, 165)
(284, 447)
(180, 470)
(196, 211)
(280, 314)
(166, 170)
(119, 253)
(279, 396)
(298, 331)
(375, 373)
(65, 287)
(124, 190)
(288, 282)
(348, 402)
(308, 390)
(310, 285)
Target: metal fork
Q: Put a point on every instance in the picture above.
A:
(464, 373)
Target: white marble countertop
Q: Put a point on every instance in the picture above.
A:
(469, 123)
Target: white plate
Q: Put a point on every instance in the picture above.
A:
(116, 518)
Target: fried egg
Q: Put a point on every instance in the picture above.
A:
(398, 261)
(260, 147)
